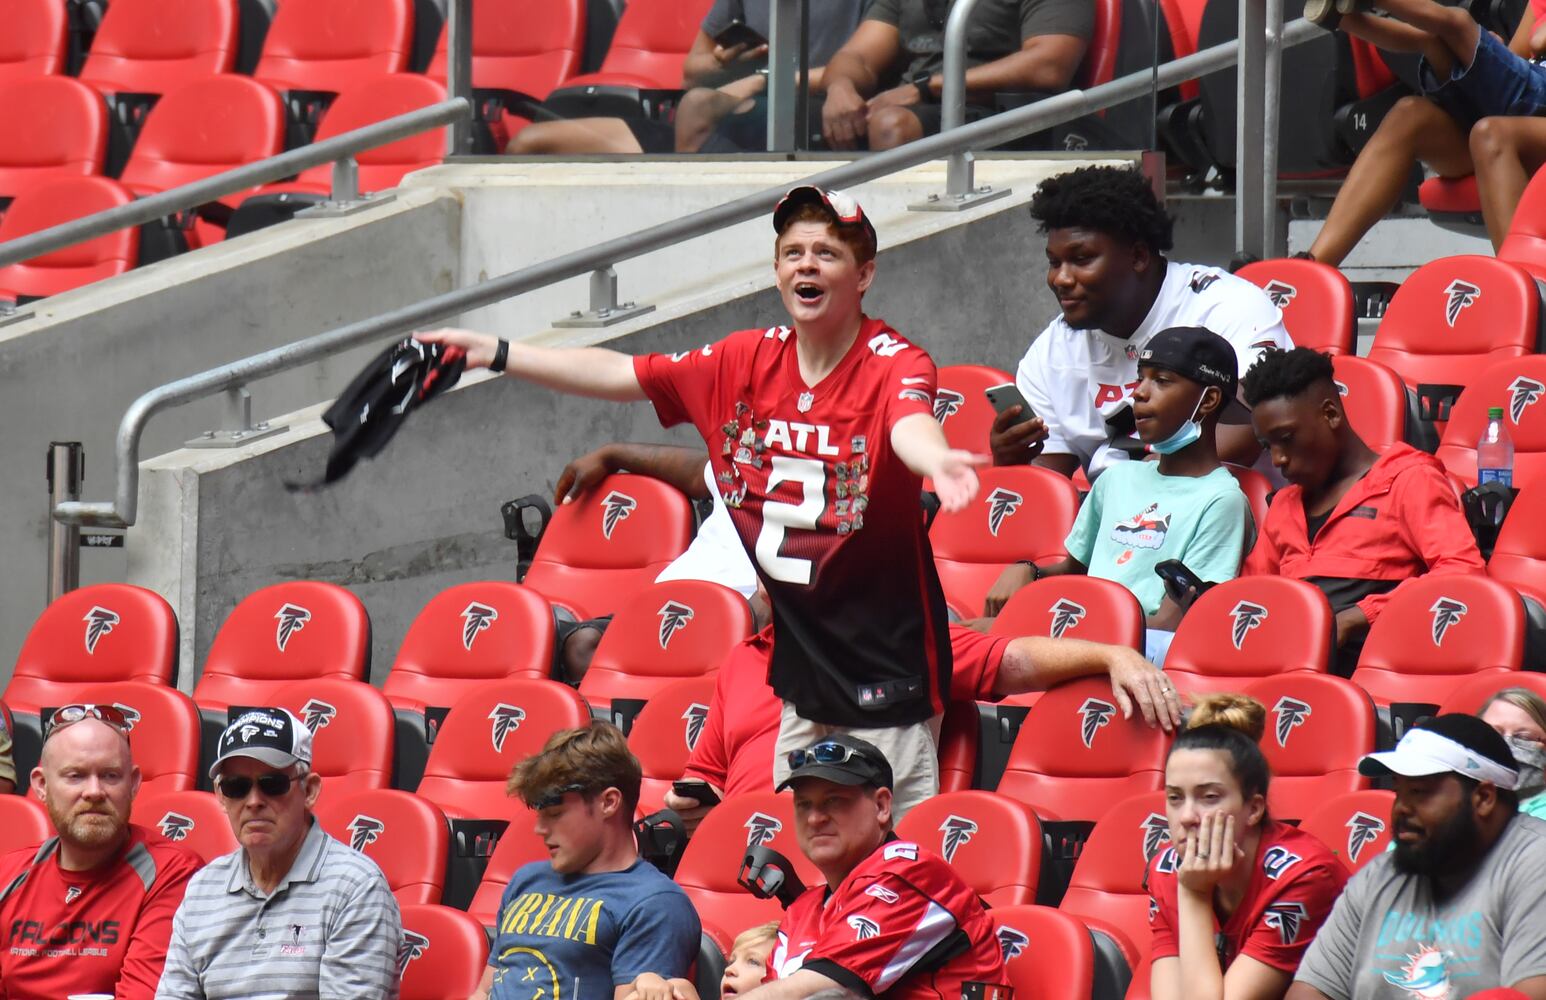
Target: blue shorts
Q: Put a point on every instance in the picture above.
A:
(1497, 82)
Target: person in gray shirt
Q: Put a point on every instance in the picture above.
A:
(291, 913)
(1456, 907)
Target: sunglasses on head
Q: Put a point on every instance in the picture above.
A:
(824, 753)
(556, 796)
(70, 714)
(273, 785)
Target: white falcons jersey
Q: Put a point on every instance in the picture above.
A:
(1076, 380)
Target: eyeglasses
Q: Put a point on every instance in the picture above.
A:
(824, 753)
(68, 715)
(273, 785)
(556, 796)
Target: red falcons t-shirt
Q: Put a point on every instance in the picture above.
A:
(1295, 882)
(828, 513)
(100, 931)
(882, 931)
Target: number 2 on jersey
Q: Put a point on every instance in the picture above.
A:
(778, 517)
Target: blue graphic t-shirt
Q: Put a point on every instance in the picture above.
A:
(578, 937)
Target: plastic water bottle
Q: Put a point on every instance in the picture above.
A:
(1495, 451)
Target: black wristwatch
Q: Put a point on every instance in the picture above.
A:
(501, 356)
(920, 82)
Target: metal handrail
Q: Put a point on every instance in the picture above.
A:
(952, 96)
(991, 131)
(240, 178)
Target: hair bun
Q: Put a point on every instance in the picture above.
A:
(1232, 711)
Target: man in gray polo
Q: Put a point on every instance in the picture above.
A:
(293, 912)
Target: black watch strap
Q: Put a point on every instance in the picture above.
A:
(1035, 569)
(501, 356)
(921, 84)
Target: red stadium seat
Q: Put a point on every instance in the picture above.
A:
(1318, 727)
(664, 734)
(155, 46)
(1525, 243)
(468, 634)
(649, 46)
(351, 725)
(1021, 512)
(50, 127)
(1519, 557)
(1028, 936)
(959, 731)
(36, 40)
(1453, 199)
(962, 409)
(163, 734)
(1257, 488)
(1076, 755)
(517, 846)
(1108, 881)
(300, 630)
(53, 203)
(992, 842)
(23, 823)
(1380, 407)
(609, 543)
(405, 835)
(444, 952)
(1183, 20)
(1316, 299)
(662, 633)
(1250, 627)
(1074, 607)
(100, 633)
(1437, 632)
(1469, 696)
(1517, 385)
(713, 858)
(195, 820)
(1356, 826)
(513, 718)
(330, 44)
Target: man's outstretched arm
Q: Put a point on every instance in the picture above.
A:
(669, 463)
(580, 371)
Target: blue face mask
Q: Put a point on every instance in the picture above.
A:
(1187, 434)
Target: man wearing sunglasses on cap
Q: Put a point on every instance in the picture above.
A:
(90, 911)
(292, 912)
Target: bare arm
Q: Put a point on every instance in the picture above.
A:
(864, 58)
(580, 371)
(1304, 991)
(920, 443)
(1036, 663)
(707, 57)
(678, 466)
(1044, 62)
(1527, 40)
(484, 985)
(1535, 986)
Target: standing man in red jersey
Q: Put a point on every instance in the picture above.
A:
(819, 436)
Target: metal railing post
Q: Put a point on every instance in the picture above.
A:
(1250, 137)
(66, 471)
(604, 309)
(459, 72)
(961, 189)
(783, 73)
(346, 180)
(1272, 86)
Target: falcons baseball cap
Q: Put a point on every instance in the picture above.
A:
(841, 206)
(271, 735)
(1204, 357)
(1457, 743)
(842, 760)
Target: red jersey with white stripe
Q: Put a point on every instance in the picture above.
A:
(1294, 884)
(884, 931)
(827, 511)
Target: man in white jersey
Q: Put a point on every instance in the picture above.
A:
(1106, 238)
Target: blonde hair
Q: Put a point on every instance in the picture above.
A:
(593, 758)
(1232, 711)
(1524, 699)
(763, 933)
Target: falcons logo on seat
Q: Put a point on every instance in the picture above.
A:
(761, 828)
(946, 403)
(1523, 392)
(475, 618)
(363, 831)
(131, 716)
(292, 618)
(957, 830)
(1280, 292)
(1362, 830)
(1291, 712)
(507, 719)
(1247, 616)
(1096, 714)
(1285, 918)
(1001, 503)
(1341, 387)
(1462, 295)
(673, 618)
(615, 507)
(1011, 942)
(695, 716)
(414, 946)
(863, 927)
(1446, 612)
(1065, 615)
(99, 622)
(317, 714)
(1156, 833)
(175, 826)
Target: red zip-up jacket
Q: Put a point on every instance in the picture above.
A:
(1400, 521)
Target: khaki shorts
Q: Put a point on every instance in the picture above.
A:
(912, 751)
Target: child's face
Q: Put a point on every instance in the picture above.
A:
(745, 969)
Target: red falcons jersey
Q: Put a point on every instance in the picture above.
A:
(827, 511)
(887, 928)
(1294, 884)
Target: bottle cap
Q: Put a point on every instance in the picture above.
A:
(1494, 413)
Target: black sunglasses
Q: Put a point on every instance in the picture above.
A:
(71, 714)
(556, 796)
(273, 785)
(824, 753)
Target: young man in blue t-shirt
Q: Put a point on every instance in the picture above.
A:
(1185, 506)
(587, 923)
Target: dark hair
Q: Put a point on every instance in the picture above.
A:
(1232, 723)
(1285, 374)
(1507, 796)
(1113, 200)
(590, 759)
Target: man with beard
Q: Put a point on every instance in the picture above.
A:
(90, 911)
(1455, 908)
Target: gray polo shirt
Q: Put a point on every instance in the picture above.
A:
(331, 929)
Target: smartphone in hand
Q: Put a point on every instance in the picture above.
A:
(738, 32)
(700, 791)
(1004, 396)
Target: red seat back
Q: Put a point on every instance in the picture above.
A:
(470, 633)
(1437, 632)
(1075, 754)
(664, 632)
(651, 42)
(36, 39)
(487, 732)
(1021, 512)
(331, 44)
(1316, 299)
(1257, 488)
(1074, 607)
(526, 45)
(352, 727)
(405, 835)
(373, 100)
(444, 953)
(1519, 557)
(1100, 55)
(1355, 825)
(610, 542)
(23, 823)
(55, 202)
(204, 127)
(1252, 626)
(104, 632)
(292, 631)
(1108, 879)
(1318, 727)
(664, 734)
(1518, 385)
(962, 409)
(1375, 399)
(992, 842)
(194, 820)
(1525, 243)
(51, 126)
(518, 845)
(1469, 696)
(958, 735)
(1183, 20)
(1028, 934)
(713, 858)
(155, 46)
(164, 731)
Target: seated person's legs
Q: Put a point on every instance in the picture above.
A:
(1506, 152)
(582, 135)
(892, 127)
(698, 113)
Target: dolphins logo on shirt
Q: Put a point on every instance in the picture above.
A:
(1425, 975)
(1002, 503)
(674, 617)
(364, 830)
(1066, 614)
(1446, 612)
(947, 402)
(863, 927)
(1285, 918)
(1523, 392)
(175, 826)
(761, 828)
(476, 617)
(1096, 714)
(292, 618)
(507, 719)
(1156, 831)
(1362, 830)
(414, 946)
(100, 621)
(317, 714)
(1291, 713)
(1247, 617)
(1011, 942)
(957, 830)
(1280, 292)
(615, 507)
(1462, 295)
(696, 715)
